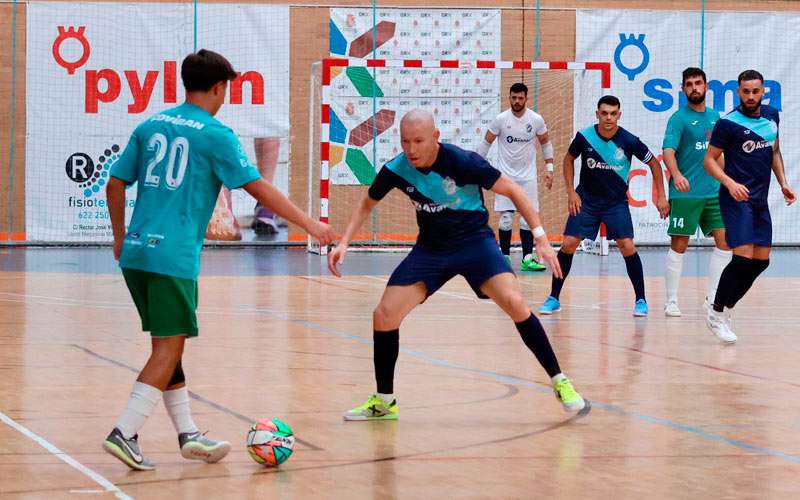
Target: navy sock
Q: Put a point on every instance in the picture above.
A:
(384, 356)
(535, 338)
(505, 241)
(526, 236)
(565, 261)
(633, 263)
(735, 272)
(757, 266)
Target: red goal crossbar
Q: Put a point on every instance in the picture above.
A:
(327, 64)
(603, 67)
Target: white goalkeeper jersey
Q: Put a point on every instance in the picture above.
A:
(516, 143)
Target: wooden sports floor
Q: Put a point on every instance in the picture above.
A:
(675, 414)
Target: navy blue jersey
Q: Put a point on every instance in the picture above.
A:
(605, 164)
(747, 143)
(447, 196)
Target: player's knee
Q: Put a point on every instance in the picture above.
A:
(514, 303)
(383, 318)
(679, 244)
(626, 247)
(523, 224)
(506, 221)
(570, 245)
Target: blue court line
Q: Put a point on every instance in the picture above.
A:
(507, 379)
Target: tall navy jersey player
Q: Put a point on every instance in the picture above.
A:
(748, 136)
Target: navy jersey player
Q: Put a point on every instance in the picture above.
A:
(605, 150)
(444, 183)
(748, 137)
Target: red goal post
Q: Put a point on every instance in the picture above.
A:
(328, 64)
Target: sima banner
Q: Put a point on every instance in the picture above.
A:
(647, 60)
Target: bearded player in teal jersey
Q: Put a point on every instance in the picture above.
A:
(180, 158)
(693, 194)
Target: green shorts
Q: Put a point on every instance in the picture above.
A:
(686, 214)
(166, 304)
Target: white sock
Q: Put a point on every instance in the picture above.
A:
(557, 378)
(140, 406)
(673, 274)
(387, 398)
(177, 403)
(719, 259)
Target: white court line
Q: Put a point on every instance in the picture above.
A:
(94, 476)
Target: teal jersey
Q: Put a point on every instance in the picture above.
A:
(180, 158)
(688, 133)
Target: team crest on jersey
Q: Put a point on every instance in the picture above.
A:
(449, 185)
(619, 154)
(528, 128)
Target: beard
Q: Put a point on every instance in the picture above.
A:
(696, 98)
(517, 107)
(753, 108)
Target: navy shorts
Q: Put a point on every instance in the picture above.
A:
(617, 219)
(746, 223)
(476, 261)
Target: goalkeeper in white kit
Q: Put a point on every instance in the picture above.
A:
(518, 129)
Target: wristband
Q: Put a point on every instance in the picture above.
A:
(549, 166)
(538, 232)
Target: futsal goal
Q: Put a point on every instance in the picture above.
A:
(355, 111)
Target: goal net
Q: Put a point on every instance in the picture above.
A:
(355, 111)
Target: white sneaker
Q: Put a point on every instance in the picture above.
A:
(672, 310)
(718, 324)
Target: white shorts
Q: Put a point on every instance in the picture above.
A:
(531, 187)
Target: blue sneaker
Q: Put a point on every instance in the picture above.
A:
(550, 306)
(640, 309)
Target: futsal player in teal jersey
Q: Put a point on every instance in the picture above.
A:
(180, 159)
(748, 137)
(693, 194)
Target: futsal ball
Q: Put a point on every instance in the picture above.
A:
(270, 442)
